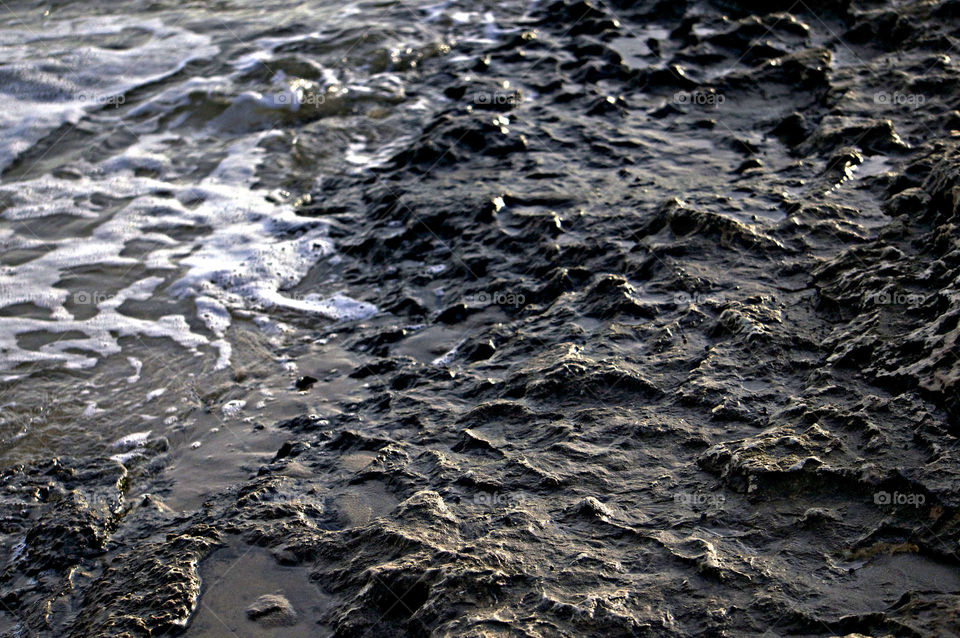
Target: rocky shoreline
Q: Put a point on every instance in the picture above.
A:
(700, 274)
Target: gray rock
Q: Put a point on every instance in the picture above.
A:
(272, 610)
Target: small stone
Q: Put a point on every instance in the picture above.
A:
(481, 351)
(272, 610)
(748, 165)
(305, 382)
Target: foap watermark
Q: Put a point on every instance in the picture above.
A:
(294, 99)
(101, 99)
(899, 99)
(696, 298)
(497, 98)
(496, 499)
(897, 298)
(497, 298)
(308, 98)
(313, 99)
(699, 98)
(899, 498)
(699, 499)
(90, 297)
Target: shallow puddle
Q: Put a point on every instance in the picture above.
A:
(234, 578)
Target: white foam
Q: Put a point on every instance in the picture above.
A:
(446, 358)
(231, 409)
(103, 330)
(255, 250)
(123, 457)
(135, 439)
(50, 79)
(137, 367)
(362, 156)
(92, 410)
(339, 307)
(215, 240)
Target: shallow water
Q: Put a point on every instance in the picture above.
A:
(154, 159)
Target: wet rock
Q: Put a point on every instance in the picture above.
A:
(272, 610)
(673, 76)
(911, 201)
(607, 104)
(665, 111)
(454, 314)
(291, 449)
(696, 351)
(748, 165)
(383, 367)
(306, 422)
(149, 589)
(480, 351)
(888, 28)
(305, 382)
(841, 164)
(449, 140)
(574, 375)
(809, 68)
(571, 12)
(874, 137)
(792, 129)
(612, 296)
(63, 511)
